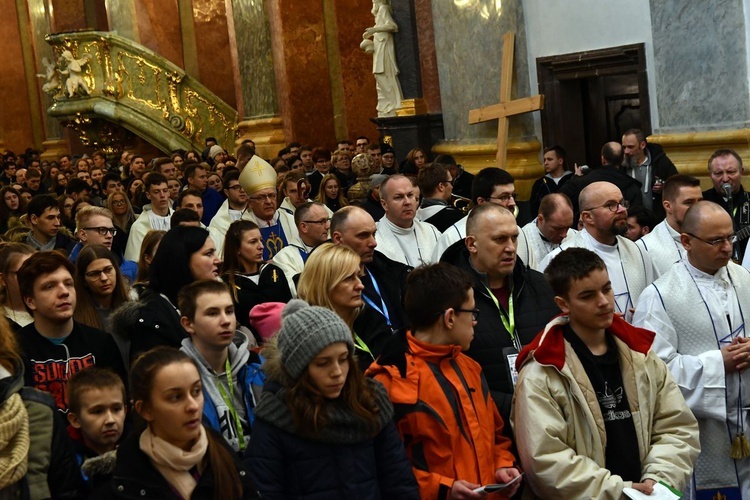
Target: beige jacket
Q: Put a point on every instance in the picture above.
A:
(559, 426)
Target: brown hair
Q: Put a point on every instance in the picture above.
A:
(309, 409)
(150, 241)
(92, 378)
(187, 298)
(85, 302)
(232, 243)
(323, 197)
(227, 482)
(9, 254)
(10, 354)
(37, 265)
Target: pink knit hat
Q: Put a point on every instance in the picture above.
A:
(265, 318)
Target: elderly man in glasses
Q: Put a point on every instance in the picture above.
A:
(94, 226)
(698, 310)
(604, 214)
(277, 228)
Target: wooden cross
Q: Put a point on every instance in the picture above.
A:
(505, 107)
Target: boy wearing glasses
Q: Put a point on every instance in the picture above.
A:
(445, 414)
(604, 214)
(595, 409)
(55, 346)
(698, 310)
(94, 226)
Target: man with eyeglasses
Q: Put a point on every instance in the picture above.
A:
(277, 228)
(698, 310)
(514, 302)
(490, 185)
(94, 226)
(725, 169)
(436, 185)
(231, 210)
(361, 144)
(605, 221)
(664, 243)
(313, 223)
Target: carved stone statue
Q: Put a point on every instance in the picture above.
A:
(364, 166)
(53, 84)
(383, 51)
(74, 70)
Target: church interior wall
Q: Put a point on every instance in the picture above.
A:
(558, 27)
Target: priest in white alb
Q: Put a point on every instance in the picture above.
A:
(550, 227)
(697, 310)
(663, 242)
(605, 220)
(277, 228)
(400, 236)
(233, 208)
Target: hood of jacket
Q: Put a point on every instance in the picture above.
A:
(10, 382)
(548, 348)
(238, 355)
(458, 255)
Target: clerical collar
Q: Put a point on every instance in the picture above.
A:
(265, 223)
(430, 202)
(721, 274)
(599, 245)
(674, 234)
(398, 229)
(541, 234)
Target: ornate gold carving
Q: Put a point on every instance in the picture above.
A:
(411, 107)
(158, 100)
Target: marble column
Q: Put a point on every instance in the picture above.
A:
(469, 49)
(16, 129)
(214, 54)
(700, 65)
(300, 60)
(255, 81)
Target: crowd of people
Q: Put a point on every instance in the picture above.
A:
(207, 325)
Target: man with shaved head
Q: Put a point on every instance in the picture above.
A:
(513, 302)
(551, 226)
(604, 214)
(664, 243)
(698, 310)
(384, 279)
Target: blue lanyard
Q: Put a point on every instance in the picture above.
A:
(384, 310)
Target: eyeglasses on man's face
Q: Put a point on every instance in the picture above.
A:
(102, 230)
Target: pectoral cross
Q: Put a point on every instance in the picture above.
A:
(506, 107)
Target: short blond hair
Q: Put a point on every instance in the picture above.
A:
(326, 267)
(84, 215)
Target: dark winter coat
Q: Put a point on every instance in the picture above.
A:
(135, 477)
(534, 306)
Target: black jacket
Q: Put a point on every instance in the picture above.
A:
(462, 184)
(48, 366)
(741, 216)
(135, 477)
(373, 207)
(661, 168)
(372, 329)
(544, 186)
(148, 323)
(272, 287)
(533, 305)
(391, 280)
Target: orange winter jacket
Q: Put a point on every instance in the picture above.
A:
(444, 412)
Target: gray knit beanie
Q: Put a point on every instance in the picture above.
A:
(305, 331)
